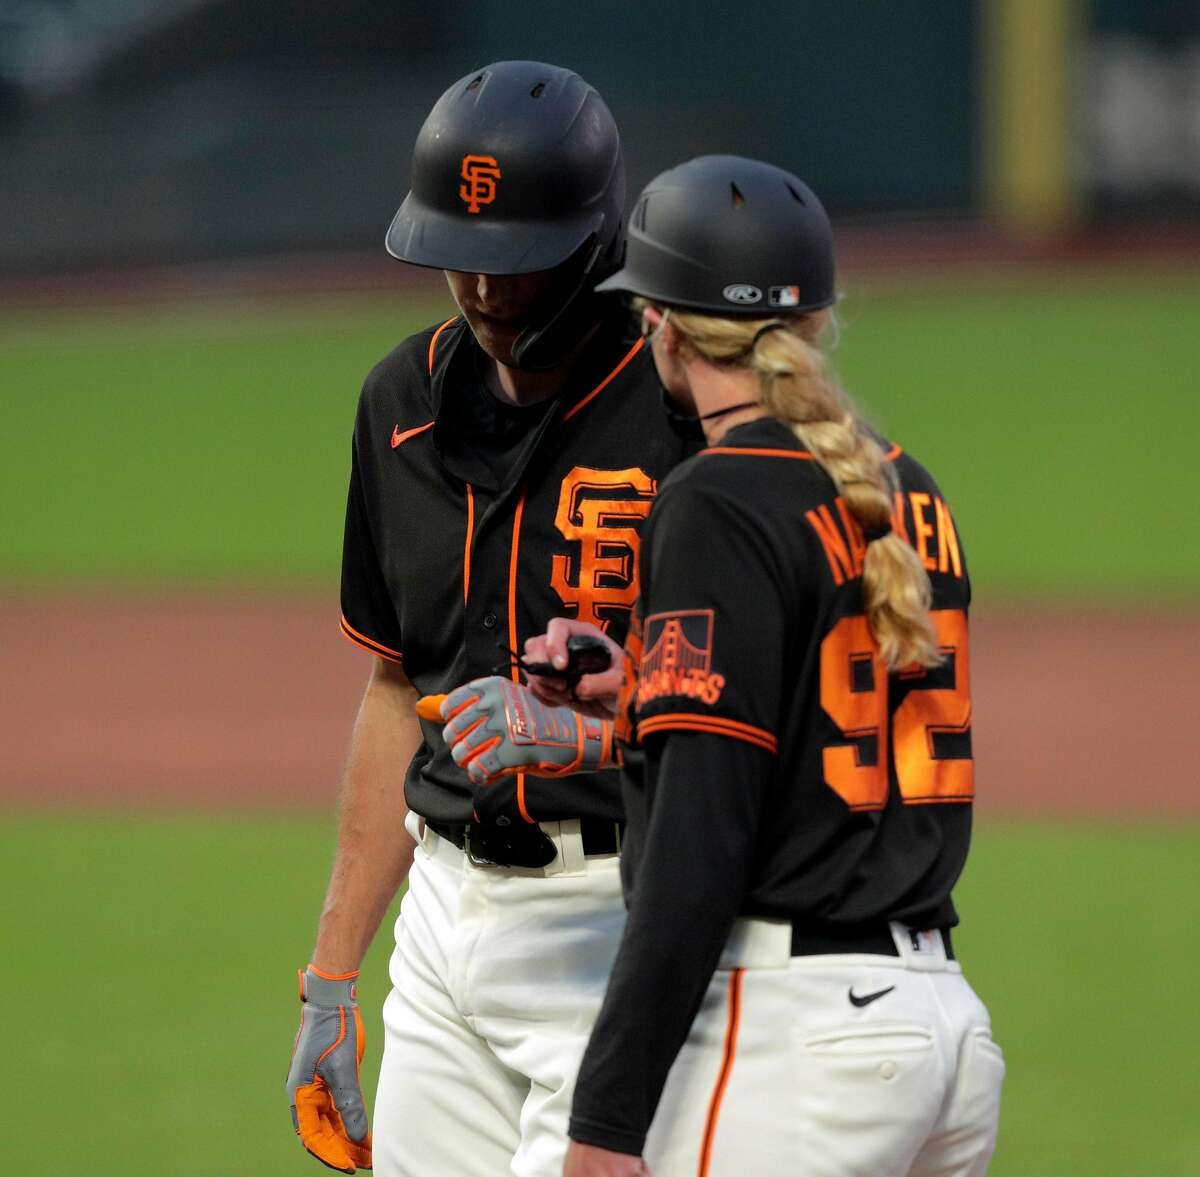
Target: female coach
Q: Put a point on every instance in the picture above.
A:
(795, 717)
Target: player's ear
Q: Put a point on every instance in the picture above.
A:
(656, 323)
(671, 337)
(652, 321)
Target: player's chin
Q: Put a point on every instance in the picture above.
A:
(497, 338)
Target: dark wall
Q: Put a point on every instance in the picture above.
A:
(286, 124)
(1139, 125)
(875, 103)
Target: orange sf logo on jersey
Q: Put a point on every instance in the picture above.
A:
(480, 173)
(601, 511)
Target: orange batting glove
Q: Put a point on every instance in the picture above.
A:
(323, 1083)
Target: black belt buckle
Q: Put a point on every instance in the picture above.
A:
(524, 846)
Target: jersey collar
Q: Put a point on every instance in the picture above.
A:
(761, 433)
(456, 358)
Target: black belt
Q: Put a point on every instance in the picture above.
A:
(523, 844)
(829, 941)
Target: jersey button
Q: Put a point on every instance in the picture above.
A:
(489, 621)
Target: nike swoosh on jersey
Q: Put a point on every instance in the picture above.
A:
(398, 437)
(867, 998)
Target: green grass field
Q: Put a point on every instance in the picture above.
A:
(147, 977)
(198, 444)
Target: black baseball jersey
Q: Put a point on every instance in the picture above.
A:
(771, 767)
(469, 524)
(751, 626)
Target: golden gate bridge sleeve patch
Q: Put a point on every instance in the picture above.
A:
(677, 686)
(677, 658)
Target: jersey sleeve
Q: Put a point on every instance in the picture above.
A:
(691, 880)
(710, 664)
(712, 622)
(368, 615)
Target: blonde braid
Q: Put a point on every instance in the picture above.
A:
(797, 390)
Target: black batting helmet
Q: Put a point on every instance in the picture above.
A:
(517, 169)
(729, 236)
(517, 166)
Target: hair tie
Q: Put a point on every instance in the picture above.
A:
(765, 330)
(871, 534)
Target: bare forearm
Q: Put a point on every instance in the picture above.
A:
(374, 851)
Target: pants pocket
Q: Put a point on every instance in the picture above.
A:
(894, 1037)
(867, 1098)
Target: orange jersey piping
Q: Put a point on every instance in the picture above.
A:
(433, 341)
(731, 1037)
(467, 544)
(512, 628)
(890, 456)
(718, 725)
(633, 351)
(361, 639)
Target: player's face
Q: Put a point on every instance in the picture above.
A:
(499, 307)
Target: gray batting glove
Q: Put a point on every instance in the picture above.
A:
(496, 727)
(323, 1083)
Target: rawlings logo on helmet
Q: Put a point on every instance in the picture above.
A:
(741, 292)
(481, 173)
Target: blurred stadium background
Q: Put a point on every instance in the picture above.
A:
(193, 195)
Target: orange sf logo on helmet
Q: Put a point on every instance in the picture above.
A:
(480, 173)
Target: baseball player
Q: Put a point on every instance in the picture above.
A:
(795, 716)
(503, 465)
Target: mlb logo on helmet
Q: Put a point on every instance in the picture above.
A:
(783, 296)
(480, 173)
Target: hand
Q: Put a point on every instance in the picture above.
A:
(594, 694)
(586, 1160)
(323, 1083)
(497, 728)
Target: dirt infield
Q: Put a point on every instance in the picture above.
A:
(247, 701)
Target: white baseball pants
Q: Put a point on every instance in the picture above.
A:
(497, 975)
(783, 1076)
